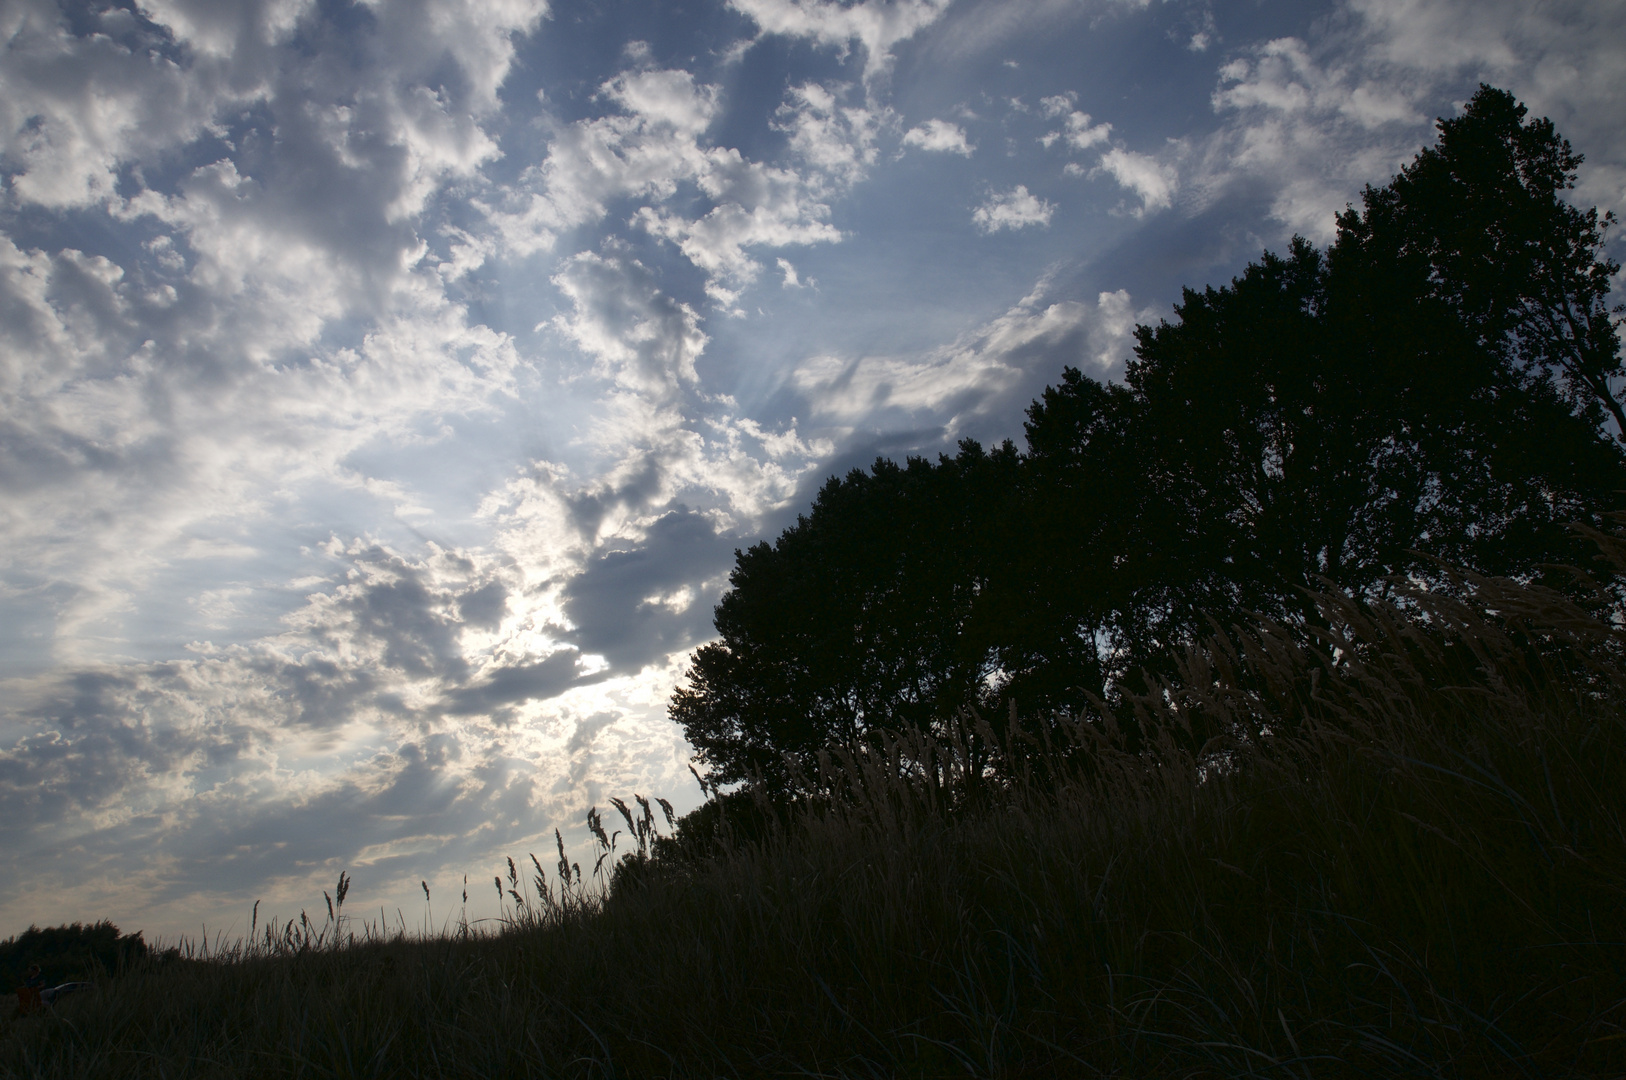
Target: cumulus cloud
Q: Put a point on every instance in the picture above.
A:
(641, 338)
(637, 603)
(182, 385)
(1077, 131)
(835, 138)
(1152, 181)
(1308, 130)
(877, 25)
(73, 108)
(1014, 209)
(103, 425)
(657, 144)
(939, 136)
(1310, 120)
(643, 151)
(1111, 334)
(651, 444)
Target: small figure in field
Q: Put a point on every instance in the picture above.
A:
(33, 995)
(30, 998)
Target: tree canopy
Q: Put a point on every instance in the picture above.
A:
(1442, 384)
(856, 616)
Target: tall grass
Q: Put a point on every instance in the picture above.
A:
(1392, 843)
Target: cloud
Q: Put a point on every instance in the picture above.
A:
(1282, 77)
(939, 136)
(181, 444)
(759, 205)
(877, 25)
(515, 684)
(640, 338)
(1152, 181)
(1014, 209)
(1306, 122)
(657, 145)
(836, 140)
(75, 107)
(1077, 132)
(432, 738)
(1564, 59)
(654, 596)
(1306, 132)
(186, 377)
(1111, 333)
(654, 437)
(644, 151)
(971, 375)
(373, 646)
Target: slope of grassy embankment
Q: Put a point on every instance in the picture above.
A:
(1391, 847)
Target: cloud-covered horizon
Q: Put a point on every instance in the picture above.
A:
(385, 388)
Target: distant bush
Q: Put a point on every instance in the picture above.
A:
(69, 953)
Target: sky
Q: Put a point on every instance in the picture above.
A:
(386, 386)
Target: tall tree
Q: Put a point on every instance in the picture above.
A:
(1439, 382)
(856, 617)
(1479, 223)
(1444, 382)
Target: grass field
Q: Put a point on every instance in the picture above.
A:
(1393, 847)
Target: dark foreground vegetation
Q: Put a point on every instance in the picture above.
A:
(1297, 728)
(1395, 849)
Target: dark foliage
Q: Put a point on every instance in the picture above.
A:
(856, 617)
(1416, 873)
(69, 953)
(1440, 384)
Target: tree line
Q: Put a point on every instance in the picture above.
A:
(1441, 386)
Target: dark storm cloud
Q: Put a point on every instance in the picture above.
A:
(318, 692)
(406, 811)
(484, 607)
(95, 744)
(616, 602)
(507, 686)
(414, 625)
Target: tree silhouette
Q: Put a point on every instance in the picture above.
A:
(1440, 384)
(854, 617)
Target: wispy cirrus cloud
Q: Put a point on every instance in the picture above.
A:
(978, 370)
